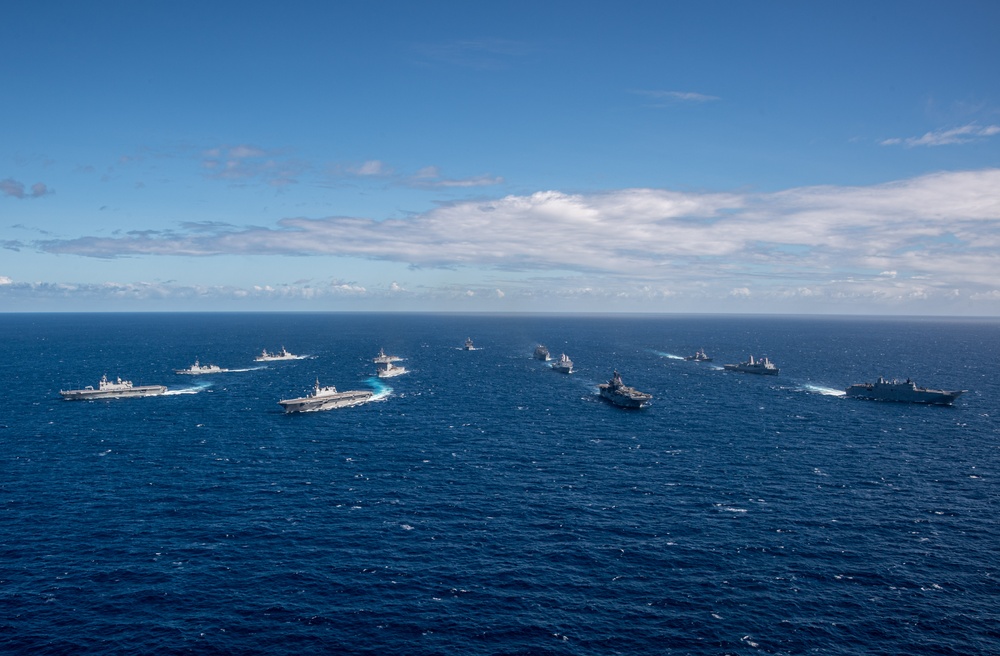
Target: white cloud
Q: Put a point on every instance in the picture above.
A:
(5, 280)
(924, 236)
(946, 137)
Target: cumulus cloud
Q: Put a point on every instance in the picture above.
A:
(946, 137)
(902, 239)
(12, 187)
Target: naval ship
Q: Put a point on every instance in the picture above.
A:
(284, 355)
(325, 398)
(108, 390)
(563, 365)
(622, 395)
(468, 344)
(541, 353)
(385, 367)
(198, 369)
(751, 366)
(699, 356)
(903, 392)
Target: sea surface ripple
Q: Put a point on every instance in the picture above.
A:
(484, 504)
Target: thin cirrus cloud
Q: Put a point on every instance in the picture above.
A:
(666, 98)
(940, 230)
(947, 137)
(246, 164)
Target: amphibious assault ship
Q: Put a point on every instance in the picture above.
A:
(903, 392)
(325, 398)
(622, 395)
(116, 390)
(563, 365)
(751, 366)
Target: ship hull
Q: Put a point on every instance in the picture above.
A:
(390, 373)
(748, 370)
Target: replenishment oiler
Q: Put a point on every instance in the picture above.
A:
(902, 392)
(326, 398)
(117, 390)
(622, 395)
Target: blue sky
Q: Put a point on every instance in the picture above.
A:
(587, 157)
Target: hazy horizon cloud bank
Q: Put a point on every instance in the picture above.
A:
(928, 241)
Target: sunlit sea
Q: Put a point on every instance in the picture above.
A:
(485, 504)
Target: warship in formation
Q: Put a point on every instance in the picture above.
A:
(751, 366)
(622, 395)
(468, 345)
(270, 357)
(699, 356)
(902, 392)
(563, 365)
(541, 353)
(197, 369)
(116, 390)
(384, 365)
(325, 398)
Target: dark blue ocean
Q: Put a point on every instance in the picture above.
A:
(488, 505)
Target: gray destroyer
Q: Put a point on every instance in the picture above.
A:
(384, 365)
(761, 366)
(198, 369)
(622, 395)
(117, 390)
(541, 353)
(325, 398)
(902, 392)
